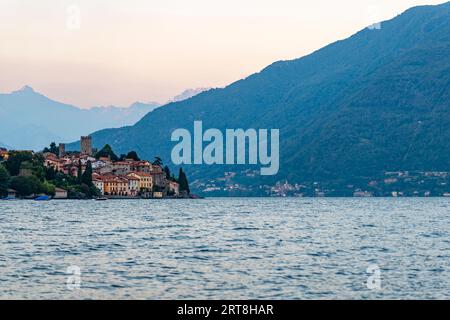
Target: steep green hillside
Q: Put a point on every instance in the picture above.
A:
(376, 101)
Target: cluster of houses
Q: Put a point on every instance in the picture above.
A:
(133, 179)
(116, 179)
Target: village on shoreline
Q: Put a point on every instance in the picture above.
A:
(55, 173)
(87, 174)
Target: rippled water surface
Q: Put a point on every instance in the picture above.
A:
(226, 248)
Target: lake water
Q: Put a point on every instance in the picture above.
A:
(225, 248)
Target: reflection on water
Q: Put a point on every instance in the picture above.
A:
(225, 248)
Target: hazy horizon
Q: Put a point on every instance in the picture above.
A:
(185, 94)
(120, 52)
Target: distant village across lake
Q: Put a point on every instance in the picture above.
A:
(99, 174)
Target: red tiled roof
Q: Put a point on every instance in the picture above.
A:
(132, 178)
(121, 163)
(142, 174)
(115, 179)
(104, 177)
(140, 162)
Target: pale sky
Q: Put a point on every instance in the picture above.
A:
(122, 51)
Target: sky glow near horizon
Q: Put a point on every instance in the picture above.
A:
(136, 50)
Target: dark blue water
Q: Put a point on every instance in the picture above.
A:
(225, 248)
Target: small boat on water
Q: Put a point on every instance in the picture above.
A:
(194, 196)
(8, 198)
(42, 198)
(101, 199)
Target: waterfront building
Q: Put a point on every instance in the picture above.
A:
(98, 182)
(60, 193)
(133, 185)
(145, 180)
(116, 186)
(174, 188)
(158, 195)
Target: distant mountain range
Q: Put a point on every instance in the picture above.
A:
(379, 100)
(30, 121)
(4, 145)
(189, 93)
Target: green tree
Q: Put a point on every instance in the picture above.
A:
(50, 173)
(183, 182)
(167, 172)
(107, 151)
(48, 188)
(37, 166)
(133, 155)
(64, 181)
(93, 191)
(26, 186)
(15, 160)
(34, 167)
(86, 178)
(158, 161)
(53, 149)
(86, 191)
(4, 181)
(80, 172)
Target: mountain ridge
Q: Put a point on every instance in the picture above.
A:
(376, 101)
(31, 120)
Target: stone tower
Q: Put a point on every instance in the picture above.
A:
(61, 150)
(86, 145)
